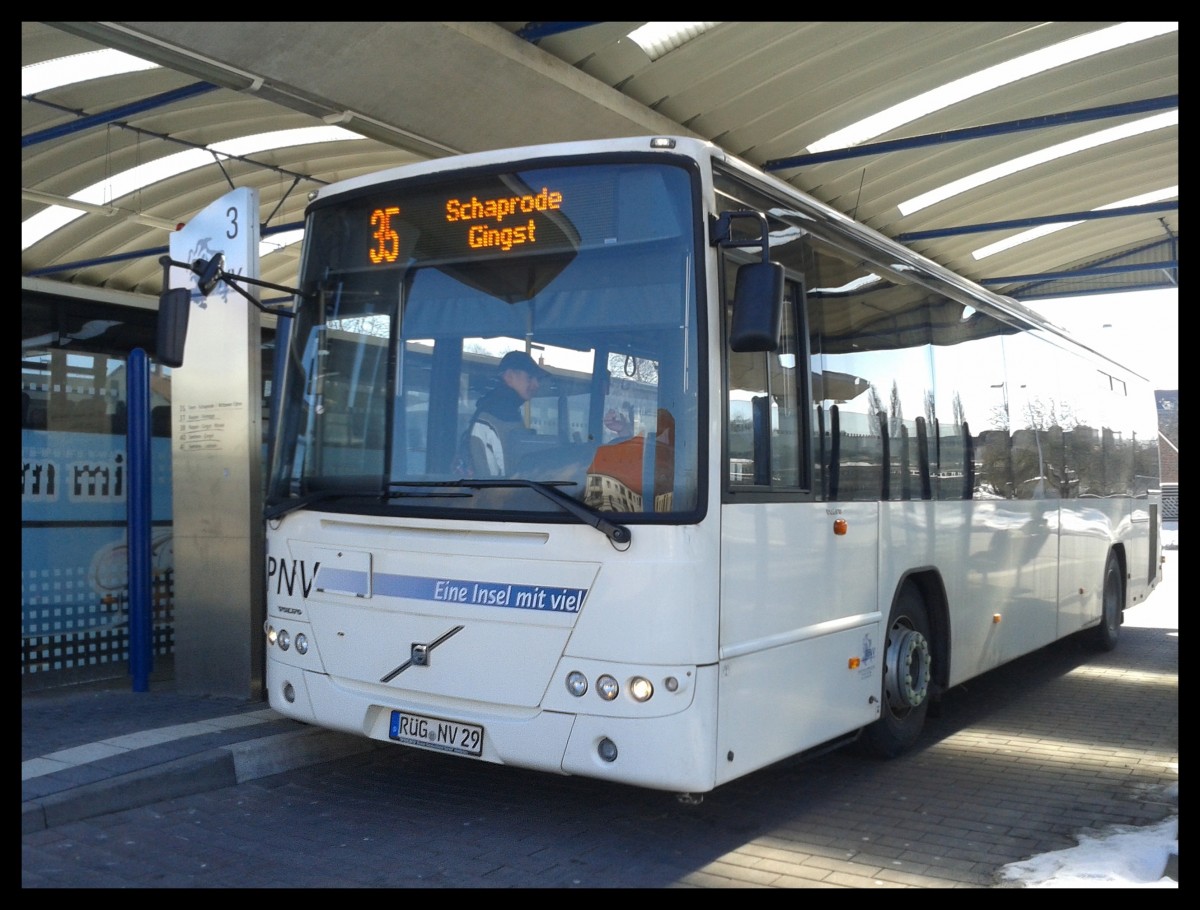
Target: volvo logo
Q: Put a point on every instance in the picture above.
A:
(418, 655)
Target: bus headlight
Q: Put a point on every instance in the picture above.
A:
(576, 683)
(284, 640)
(607, 687)
(270, 630)
(641, 688)
(301, 643)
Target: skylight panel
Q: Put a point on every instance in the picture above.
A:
(659, 38)
(280, 241)
(1042, 156)
(993, 77)
(52, 74)
(110, 189)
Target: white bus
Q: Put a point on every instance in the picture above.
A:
(855, 479)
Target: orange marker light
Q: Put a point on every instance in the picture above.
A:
(839, 526)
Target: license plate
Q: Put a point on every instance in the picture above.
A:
(436, 733)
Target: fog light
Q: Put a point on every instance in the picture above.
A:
(289, 693)
(641, 688)
(607, 687)
(576, 683)
(607, 750)
(301, 643)
(285, 640)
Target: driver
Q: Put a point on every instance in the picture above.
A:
(499, 416)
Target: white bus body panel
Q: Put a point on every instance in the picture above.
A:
(1145, 547)
(802, 610)
(801, 641)
(392, 584)
(1087, 530)
(997, 559)
(999, 563)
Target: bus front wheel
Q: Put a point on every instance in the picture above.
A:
(907, 678)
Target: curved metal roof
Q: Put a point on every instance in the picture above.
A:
(762, 90)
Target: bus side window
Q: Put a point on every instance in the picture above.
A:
(763, 406)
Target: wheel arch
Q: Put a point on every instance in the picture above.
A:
(1118, 551)
(1105, 634)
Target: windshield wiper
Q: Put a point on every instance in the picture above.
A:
(617, 533)
(549, 488)
(291, 505)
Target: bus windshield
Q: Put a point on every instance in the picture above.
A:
(518, 325)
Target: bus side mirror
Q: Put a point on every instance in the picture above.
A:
(757, 307)
(174, 307)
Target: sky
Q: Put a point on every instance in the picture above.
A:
(1139, 329)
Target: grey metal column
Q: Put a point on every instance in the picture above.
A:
(217, 473)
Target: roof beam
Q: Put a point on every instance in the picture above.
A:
(1091, 215)
(535, 31)
(1167, 102)
(119, 113)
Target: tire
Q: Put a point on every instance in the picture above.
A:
(907, 678)
(1104, 637)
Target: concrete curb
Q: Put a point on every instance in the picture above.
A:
(212, 769)
(194, 774)
(294, 749)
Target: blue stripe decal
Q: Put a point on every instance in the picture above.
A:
(481, 593)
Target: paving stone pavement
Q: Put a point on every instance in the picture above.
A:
(164, 789)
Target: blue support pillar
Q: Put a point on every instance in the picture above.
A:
(141, 655)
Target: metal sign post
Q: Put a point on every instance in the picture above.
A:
(217, 457)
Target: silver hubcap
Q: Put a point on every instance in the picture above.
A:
(908, 675)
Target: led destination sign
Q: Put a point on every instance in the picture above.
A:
(485, 235)
(494, 222)
(507, 234)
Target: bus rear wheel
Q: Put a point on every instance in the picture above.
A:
(907, 678)
(1105, 635)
